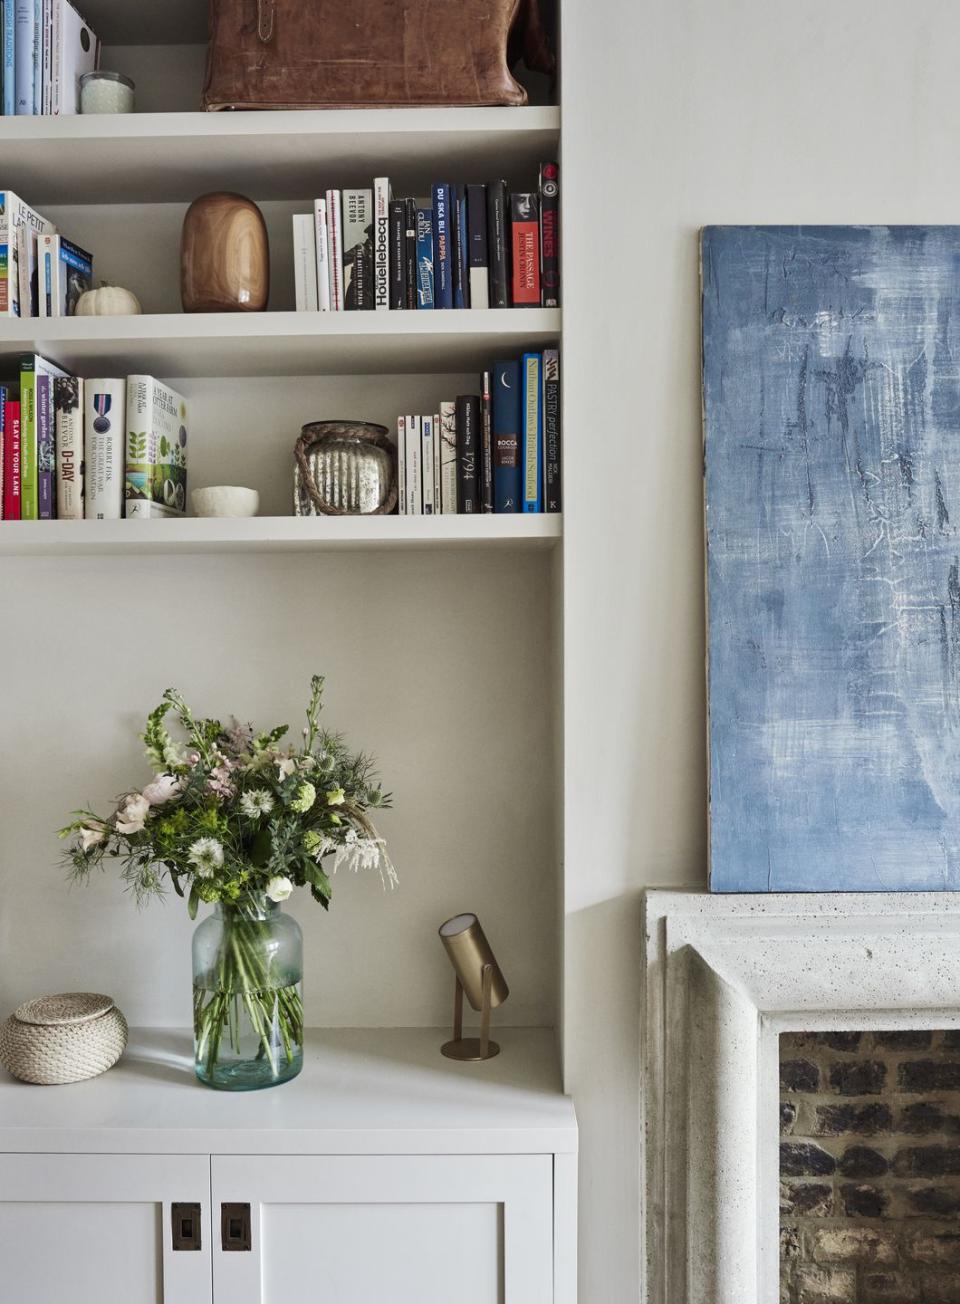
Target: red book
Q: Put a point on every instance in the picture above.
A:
(11, 461)
(525, 228)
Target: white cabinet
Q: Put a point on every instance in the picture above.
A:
(94, 1228)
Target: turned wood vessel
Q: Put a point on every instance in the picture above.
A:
(224, 255)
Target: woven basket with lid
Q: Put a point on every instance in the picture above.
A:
(64, 1038)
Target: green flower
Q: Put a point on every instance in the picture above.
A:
(306, 796)
(336, 797)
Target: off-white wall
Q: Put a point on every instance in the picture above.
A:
(678, 113)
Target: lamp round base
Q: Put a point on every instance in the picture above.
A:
(468, 1048)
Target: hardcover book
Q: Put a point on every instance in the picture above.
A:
(525, 230)
(155, 470)
(506, 436)
(550, 235)
(458, 246)
(11, 460)
(65, 271)
(68, 412)
(531, 432)
(75, 50)
(3, 409)
(426, 443)
(498, 244)
(448, 457)
(321, 240)
(34, 456)
(477, 256)
(468, 453)
(552, 498)
(442, 251)
(46, 456)
(398, 256)
(24, 25)
(410, 253)
(381, 243)
(334, 249)
(424, 257)
(358, 290)
(104, 417)
(305, 262)
(486, 446)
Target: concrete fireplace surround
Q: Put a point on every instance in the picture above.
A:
(724, 976)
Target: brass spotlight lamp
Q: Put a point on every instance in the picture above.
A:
(479, 975)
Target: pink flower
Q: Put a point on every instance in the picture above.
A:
(163, 789)
(132, 815)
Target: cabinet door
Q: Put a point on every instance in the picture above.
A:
(94, 1228)
(360, 1229)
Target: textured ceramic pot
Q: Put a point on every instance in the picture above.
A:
(224, 255)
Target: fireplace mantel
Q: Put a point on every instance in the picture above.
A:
(724, 976)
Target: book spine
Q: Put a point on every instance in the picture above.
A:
(486, 446)
(56, 58)
(550, 235)
(3, 427)
(104, 414)
(47, 279)
(381, 243)
(498, 247)
(468, 453)
(448, 458)
(410, 253)
(437, 487)
(24, 245)
(28, 440)
(321, 245)
(155, 450)
(414, 471)
(358, 250)
(461, 274)
(398, 259)
(23, 56)
(9, 59)
(525, 229)
(68, 409)
(531, 441)
(426, 461)
(305, 262)
(46, 456)
(37, 57)
(477, 255)
(552, 494)
(506, 437)
(47, 56)
(424, 258)
(442, 253)
(11, 461)
(402, 466)
(335, 250)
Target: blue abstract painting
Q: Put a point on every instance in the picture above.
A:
(831, 374)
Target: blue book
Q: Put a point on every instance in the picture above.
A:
(9, 87)
(442, 252)
(531, 431)
(505, 436)
(424, 257)
(460, 247)
(23, 55)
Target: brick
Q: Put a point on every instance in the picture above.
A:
(951, 1039)
(806, 1199)
(788, 1116)
(925, 1117)
(887, 1288)
(927, 1161)
(799, 1075)
(929, 1075)
(826, 1286)
(864, 1120)
(861, 1161)
(859, 1078)
(854, 1245)
(862, 1201)
(802, 1159)
(849, 1041)
(933, 1247)
(938, 1201)
(789, 1244)
(940, 1288)
(908, 1039)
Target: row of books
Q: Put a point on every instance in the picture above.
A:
(496, 451)
(101, 449)
(46, 48)
(42, 273)
(471, 246)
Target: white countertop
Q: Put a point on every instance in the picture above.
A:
(362, 1091)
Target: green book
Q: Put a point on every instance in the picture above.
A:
(30, 365)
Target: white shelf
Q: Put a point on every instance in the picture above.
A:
(165, 157)
(275, 534)
(362, 1091)
(283, 343)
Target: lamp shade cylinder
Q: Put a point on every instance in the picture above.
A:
(469, 952)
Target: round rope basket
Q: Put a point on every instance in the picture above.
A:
(64, 1038)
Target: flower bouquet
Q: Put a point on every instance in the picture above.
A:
(235, 819)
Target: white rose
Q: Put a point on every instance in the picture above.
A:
(163, 788)
(132, 815)
(91, 837)
(287, 767)
(279, 888)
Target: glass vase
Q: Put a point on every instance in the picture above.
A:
(247, 996)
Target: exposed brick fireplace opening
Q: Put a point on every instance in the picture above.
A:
(870, 1168)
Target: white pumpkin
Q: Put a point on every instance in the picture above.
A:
(108, 301)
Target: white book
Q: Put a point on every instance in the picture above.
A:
(437, 490)
(426, 447)
(68, 411)
(321, 239)
(305, 262)
(47, 41)
(414, 467)
(104, 418)
(448, 457)
(23, 44)
(335, 250)
(75, 50)
(155, 461)
(401, 466)
(381, 243)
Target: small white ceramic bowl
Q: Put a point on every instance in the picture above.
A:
(225, 500)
